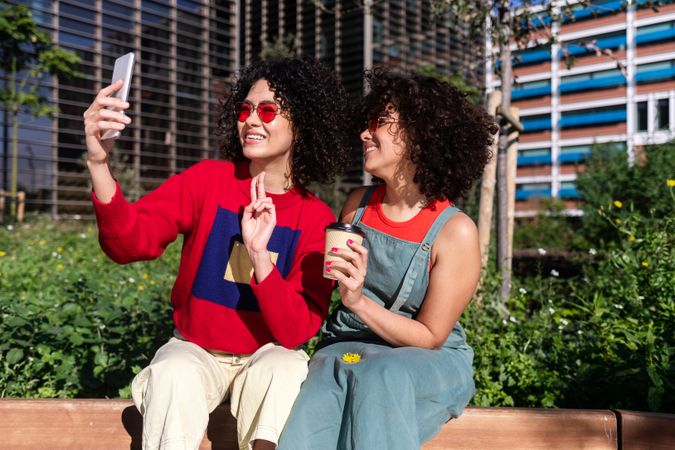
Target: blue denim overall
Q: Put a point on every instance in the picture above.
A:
(393, 398)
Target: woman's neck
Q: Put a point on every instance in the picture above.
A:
(402, 199)
(277, 176)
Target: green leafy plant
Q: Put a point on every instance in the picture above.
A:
(609, 178)
(75, 324)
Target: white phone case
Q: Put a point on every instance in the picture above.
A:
(124, 68)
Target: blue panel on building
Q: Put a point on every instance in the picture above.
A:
(593, 118)
(539, 91)
(655, 75)
(533, 160)
(524, 194)
(594, 83)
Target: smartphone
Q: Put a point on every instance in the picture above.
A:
(124, 67)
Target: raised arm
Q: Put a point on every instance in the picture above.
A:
(97, 120)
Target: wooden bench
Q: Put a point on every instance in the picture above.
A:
(643, 430)
(116, 424)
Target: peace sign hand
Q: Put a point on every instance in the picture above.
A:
(259, 218)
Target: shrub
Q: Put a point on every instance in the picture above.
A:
(609, 178)
(549, 229)
(602, 340)
(73, 322)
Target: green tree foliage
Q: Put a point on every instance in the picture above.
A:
(27, 56)
(279, 48)
(473, 93)
(610, 182)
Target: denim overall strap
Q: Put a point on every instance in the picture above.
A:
(420, 260)
(362, 205)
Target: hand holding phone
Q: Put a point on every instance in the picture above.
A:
(123, 69)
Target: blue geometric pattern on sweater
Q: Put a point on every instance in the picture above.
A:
(211, 282)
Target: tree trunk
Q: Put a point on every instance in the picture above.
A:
(15, 162)
(511, 169)
(487, 190)
(503, 261)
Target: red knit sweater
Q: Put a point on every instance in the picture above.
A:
(217, 303)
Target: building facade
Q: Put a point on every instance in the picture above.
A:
(185, 49)
(620, 88)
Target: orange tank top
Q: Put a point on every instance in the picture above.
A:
(412, 230)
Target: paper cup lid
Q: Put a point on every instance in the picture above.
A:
(349, 228)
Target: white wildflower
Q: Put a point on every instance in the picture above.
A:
(565, 322)
(131, 280)
(617, 306)
(580, 332)
(592, 251)
(541, 251)
(551, 310)
(555, 273)
(83, 236)
(10, 227)
(54, 254)
(523, 291)
(640, 297)
(504, 322)
(513, 319)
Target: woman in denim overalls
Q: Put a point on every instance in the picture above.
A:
(394, 365)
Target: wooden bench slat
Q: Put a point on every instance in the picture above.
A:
(111, 424)
(531, 428)
(643, 430)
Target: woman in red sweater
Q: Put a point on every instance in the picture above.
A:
(394, 364)
(249, 288)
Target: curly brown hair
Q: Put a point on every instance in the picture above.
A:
(447, 138)
(317, 105)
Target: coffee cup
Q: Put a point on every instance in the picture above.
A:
(337, 235)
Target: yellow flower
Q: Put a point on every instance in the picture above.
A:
(631, 238)
(152, 282)
(670, 183)
(351, 358)
(2, 253)
(59, 266)
(59, 249)
(617, 221)
(645, 264)
(146, 276)
(42, 242)
(618, 204)
(141, 288)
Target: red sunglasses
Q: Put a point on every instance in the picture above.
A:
(377, 122)
(266, 110)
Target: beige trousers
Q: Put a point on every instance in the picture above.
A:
(184, 383)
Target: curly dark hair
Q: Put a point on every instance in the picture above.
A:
(317, 105)
(447, 138)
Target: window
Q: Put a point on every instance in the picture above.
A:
(534, 156)
(528, 190)
(536, 123)
(642, 116)
(662, 114)
(575, 153)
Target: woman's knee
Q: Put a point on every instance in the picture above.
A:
(281, 364)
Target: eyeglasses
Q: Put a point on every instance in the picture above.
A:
(266, 110)
(377, 122)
